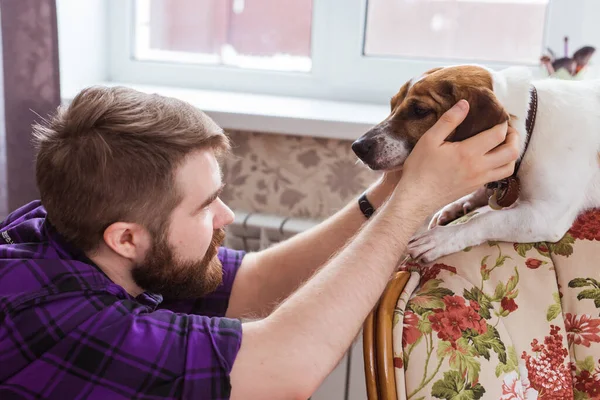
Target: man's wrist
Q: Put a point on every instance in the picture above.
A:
(378, 193)
(365, 205)
(414, 199)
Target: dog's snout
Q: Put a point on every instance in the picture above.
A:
(362, 147)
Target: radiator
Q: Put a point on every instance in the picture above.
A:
(255, 231)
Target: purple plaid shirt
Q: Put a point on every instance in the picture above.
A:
(68, 332)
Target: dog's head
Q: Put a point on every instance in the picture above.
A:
(420, 103)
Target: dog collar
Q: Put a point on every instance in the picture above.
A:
(506, 191)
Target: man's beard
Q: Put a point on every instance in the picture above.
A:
(162, 272)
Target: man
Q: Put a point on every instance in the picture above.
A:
(114, 285)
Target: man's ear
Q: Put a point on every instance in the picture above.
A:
(129, 240)
(485, 112)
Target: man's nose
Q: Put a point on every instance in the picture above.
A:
(224, 217)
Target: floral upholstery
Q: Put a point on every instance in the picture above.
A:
(504, 321)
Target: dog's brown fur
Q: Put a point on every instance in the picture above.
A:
(438, 91)
(417, 107)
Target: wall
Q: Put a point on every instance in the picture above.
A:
(83, 43)
(590, 27)
(292, 175)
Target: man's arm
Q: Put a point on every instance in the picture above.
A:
(289, 353)
(293, 350)
(269, 276)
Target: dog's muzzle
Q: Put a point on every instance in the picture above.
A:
(363, 148)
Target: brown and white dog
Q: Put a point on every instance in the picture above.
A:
(559, 173)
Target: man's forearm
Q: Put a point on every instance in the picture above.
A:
(289, 353)
(269, 276)
(305, 337)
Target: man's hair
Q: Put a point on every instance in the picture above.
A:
(111, 156)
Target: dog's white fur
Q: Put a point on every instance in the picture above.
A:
(559, 174)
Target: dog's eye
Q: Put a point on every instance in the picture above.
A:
(420, 111)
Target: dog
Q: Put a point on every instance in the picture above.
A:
(559, 171)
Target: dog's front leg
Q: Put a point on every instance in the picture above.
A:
(527, 222)
(461, 207)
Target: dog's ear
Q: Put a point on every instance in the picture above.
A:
(485, 112)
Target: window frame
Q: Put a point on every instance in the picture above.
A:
(340, 71)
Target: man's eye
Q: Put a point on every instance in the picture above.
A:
(420, 111)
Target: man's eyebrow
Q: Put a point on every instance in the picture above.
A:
(211, 198)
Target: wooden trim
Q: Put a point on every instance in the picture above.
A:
(369, 356)
(384, 337)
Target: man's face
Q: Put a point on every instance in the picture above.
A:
(183, 263)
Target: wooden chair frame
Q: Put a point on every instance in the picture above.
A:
(377, 342)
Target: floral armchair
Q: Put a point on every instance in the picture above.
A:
(496, 321)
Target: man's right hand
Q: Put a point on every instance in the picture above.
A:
(289, 353)
(439, 172)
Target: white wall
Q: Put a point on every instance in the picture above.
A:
(582, 30)
(591, 25)
(83, 43)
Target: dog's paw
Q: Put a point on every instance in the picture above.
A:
(435, 243)
(451, 212)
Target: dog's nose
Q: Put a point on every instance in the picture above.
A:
(362, 147)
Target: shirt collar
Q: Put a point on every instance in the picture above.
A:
(149, 299)
(67, 250)
(64, 248)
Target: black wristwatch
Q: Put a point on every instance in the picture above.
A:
(365, 205)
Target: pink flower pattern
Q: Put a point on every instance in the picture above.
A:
(463, 327)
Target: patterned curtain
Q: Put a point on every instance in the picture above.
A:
(29, 88)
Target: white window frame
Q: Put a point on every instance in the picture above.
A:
(340, 71)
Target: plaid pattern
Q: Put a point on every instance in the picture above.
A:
(68, 332)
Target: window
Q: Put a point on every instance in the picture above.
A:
(509, 31)
(238, 33)
(354, 50)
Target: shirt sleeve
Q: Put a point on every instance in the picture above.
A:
(214, 304)
(126, 352)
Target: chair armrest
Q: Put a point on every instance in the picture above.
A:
(369, 356)
(378, 341)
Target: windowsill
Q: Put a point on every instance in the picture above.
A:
(273, 114)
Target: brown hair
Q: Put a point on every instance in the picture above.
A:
(111, 156)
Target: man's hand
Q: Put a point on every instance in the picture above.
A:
(439, 172)
(290, 352)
